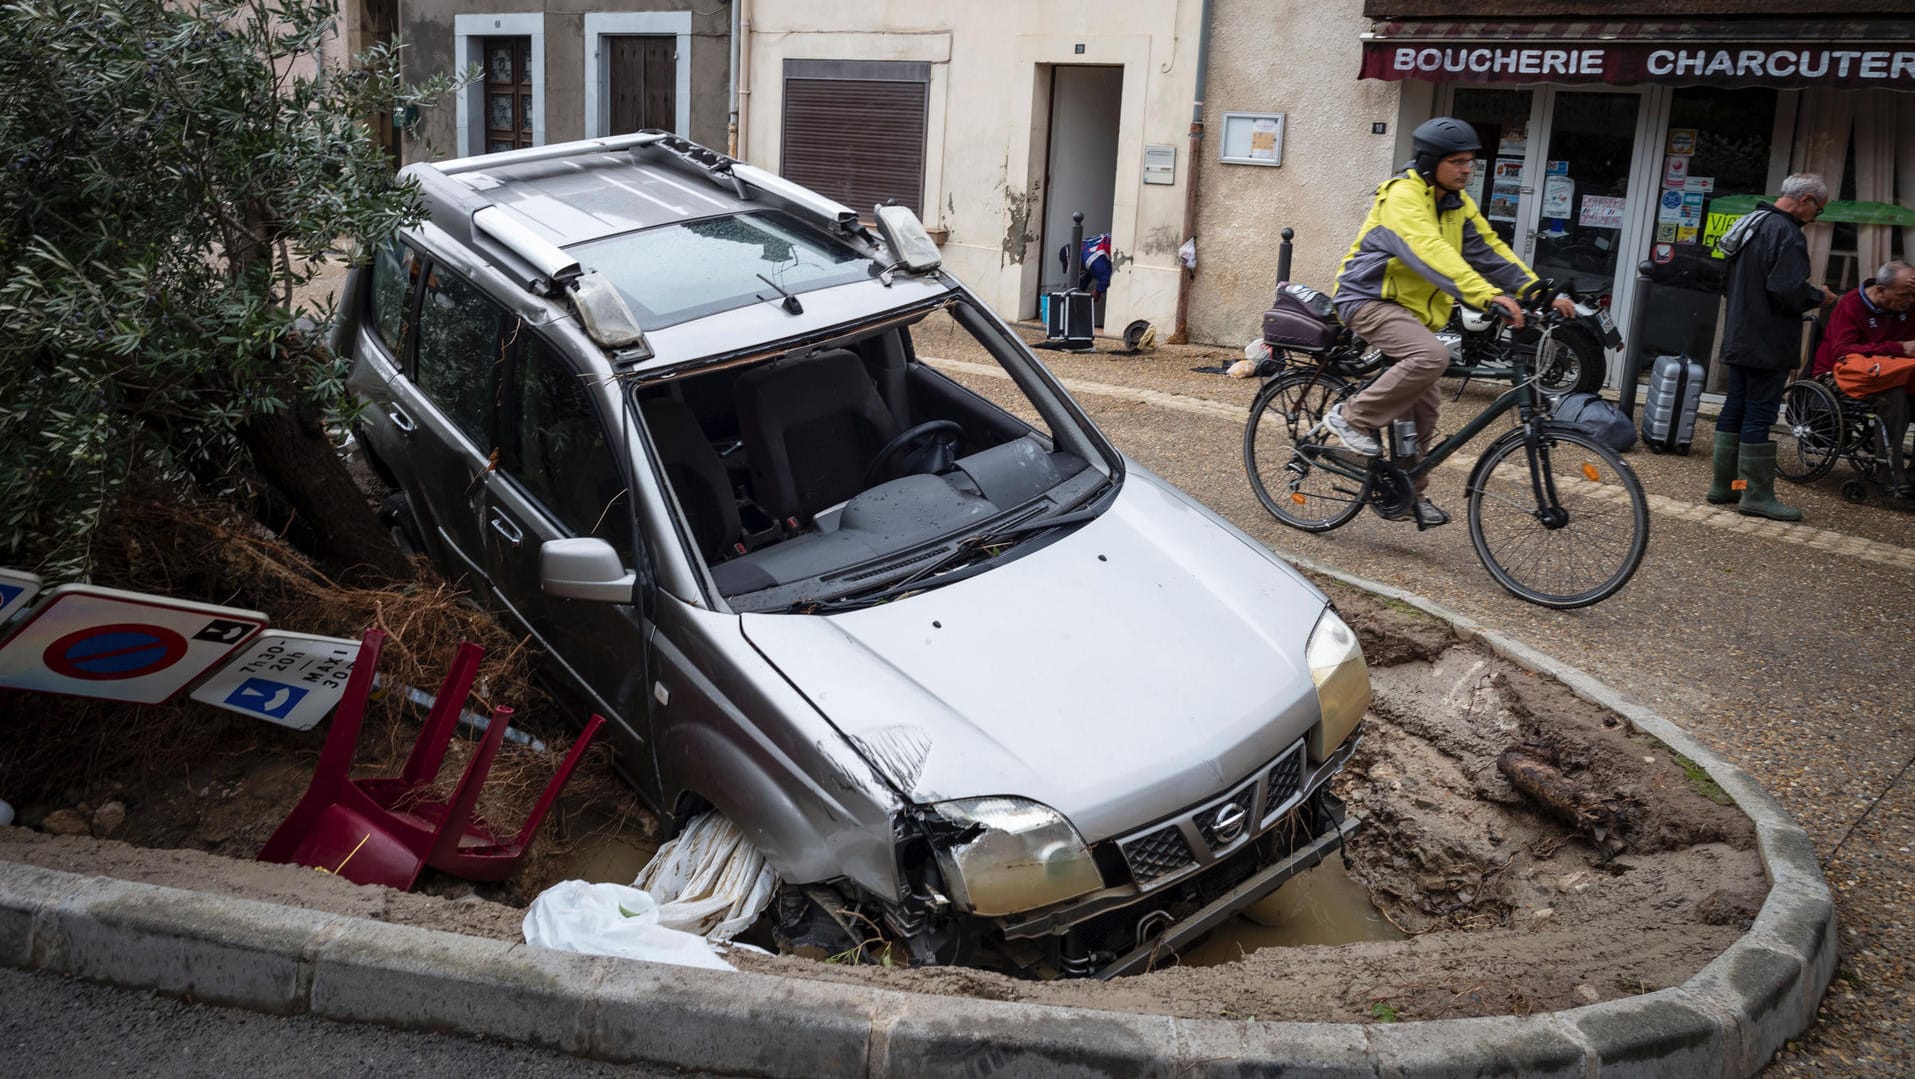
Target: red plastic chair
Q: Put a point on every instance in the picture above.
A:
(474, 850)
(365, 830)
(385, 830)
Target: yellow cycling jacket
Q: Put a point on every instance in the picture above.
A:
(1419, 254)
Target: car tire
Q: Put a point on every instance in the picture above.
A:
(395, 512)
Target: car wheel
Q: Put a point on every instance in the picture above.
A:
(395, 512)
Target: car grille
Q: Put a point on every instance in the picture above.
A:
(1283, 782)
(1212, 829)
(1162, 851)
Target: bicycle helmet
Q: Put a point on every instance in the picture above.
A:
(1434, 140)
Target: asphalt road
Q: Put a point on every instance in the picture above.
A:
(53, 1027)
(1784, 647)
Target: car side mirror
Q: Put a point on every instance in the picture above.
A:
(909, 244)
(585, 568)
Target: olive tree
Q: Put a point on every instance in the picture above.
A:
(172, 176)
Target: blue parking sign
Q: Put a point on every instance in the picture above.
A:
(261, 696)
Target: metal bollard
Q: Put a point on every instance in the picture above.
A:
(1632, 342)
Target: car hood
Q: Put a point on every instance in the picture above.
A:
(1129, 669)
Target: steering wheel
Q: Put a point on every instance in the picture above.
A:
(913, 442)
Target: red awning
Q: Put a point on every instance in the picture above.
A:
(1741, 52)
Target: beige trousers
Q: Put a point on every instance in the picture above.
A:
(1408, 388)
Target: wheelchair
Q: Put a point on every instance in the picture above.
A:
(1821, 425)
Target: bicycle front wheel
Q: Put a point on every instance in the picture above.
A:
(1567, 531)
(1296, 490)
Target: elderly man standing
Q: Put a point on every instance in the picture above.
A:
(1768, 292)
(1870, 349)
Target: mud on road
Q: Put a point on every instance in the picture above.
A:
(1507, 907)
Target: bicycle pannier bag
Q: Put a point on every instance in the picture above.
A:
(1669, 404)
(1300, 318)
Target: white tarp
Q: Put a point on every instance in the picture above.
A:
(701, 888)
(708, 879)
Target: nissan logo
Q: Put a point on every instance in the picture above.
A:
(1229, 822)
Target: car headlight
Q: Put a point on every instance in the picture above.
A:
(1012, 855)
(1342, 679)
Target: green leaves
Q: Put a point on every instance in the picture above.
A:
(171, 179)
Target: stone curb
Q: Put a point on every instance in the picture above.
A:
(1727, 1020)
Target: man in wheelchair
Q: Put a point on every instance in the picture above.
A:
(1869, 348)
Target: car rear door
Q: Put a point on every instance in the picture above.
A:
(562, 473)
(452, 400)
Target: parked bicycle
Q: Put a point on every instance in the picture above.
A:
(1556, 517)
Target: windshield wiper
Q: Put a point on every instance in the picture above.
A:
(967, 548)
(791, 303)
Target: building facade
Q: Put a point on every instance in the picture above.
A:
(559, 71)
(1637, 135)
(1630, 137)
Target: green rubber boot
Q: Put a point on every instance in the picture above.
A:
(1755, 467)
(1722, 488)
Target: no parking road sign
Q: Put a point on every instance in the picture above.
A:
(17, 589)
(292, 679)
(87, 641)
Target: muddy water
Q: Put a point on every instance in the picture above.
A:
(1320, 906)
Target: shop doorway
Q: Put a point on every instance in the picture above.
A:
(1566, 180)
(1080, 171)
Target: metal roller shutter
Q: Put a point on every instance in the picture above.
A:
(859, 141)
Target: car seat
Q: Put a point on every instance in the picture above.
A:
(697, 477)
(810, 427)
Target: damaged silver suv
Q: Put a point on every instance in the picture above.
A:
(839, 558)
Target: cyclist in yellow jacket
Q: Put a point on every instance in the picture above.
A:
(1424, 246)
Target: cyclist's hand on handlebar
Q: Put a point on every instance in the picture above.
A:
(1564, 306)
(1512, 311)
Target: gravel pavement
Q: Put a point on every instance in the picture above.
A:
(1781, 646)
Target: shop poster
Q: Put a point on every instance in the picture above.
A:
(1669, 209)
(1506, 191)
(1682, 140)
(1559, 196)
(1602, 212)
(1515, 142)
(1665, 232)
(1675, 171)
(1704, 184)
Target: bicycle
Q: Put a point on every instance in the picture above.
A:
(1560, 541)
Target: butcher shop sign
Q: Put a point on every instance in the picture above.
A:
(1851, 65)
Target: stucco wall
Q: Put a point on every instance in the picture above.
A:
(428, 27)
(1300, 59)
(988, 121)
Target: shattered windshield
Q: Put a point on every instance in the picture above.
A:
(865, 468)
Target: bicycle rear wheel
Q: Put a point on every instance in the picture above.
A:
(1296, 490)
(1574, 550)
(1808, 441)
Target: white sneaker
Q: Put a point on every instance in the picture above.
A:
(1349, 434)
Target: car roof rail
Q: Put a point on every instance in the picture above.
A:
(537, 264)
(608, 145)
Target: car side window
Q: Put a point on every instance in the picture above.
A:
(559, 452)
(459, 350)
(394, 268)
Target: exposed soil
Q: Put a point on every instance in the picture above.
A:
(1508, 909)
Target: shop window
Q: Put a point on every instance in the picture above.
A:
(1501, 120)
(1730, 136)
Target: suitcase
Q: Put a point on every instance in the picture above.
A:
(1669, 404)
(1068, 318)
(1301, 318)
